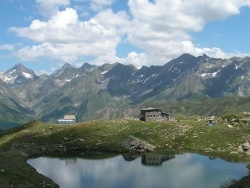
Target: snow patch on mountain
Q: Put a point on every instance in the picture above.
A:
(27, 75)
(213, 74)
(104, 72)
(8, 79)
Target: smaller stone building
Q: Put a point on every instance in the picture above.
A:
(152, 114)
(67, 119)
(211, 121)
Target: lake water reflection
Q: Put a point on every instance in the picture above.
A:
(179, 171)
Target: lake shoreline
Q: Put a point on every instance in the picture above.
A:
(39, 139)
(77, 171)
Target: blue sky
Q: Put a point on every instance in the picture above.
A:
(45, 34)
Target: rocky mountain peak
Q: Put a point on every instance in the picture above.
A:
(121, 71)
(86, 67)
(65, 74)
(20, 67)
(106, 67)
(18, 74)
(91, 89)
(69, 66)
(65, 68)
(17, 69)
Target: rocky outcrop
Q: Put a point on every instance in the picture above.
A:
(230, 126)
(133, 144)
(244, 148)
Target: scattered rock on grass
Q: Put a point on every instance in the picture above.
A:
(230, 126)
(244, 148)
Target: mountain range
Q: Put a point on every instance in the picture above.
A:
(117, 90)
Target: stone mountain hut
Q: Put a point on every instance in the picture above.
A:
(152, 114)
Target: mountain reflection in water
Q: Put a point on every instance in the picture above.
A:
(179, 171)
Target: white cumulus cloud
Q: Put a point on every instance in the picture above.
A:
(98, 5)
(161, 29)
(50, 7)
(65, 37)
(7, 47)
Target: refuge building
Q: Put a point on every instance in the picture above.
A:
(67, 119)
(152, 114)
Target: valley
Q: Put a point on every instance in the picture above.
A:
(107, 100)
(116, 91)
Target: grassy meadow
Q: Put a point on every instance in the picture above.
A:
(186, 134)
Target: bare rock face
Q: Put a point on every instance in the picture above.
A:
(240, 149)
(134, 144)
(244, 147)
(230, 126)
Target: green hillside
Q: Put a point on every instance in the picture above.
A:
(186, 134)
(10, 117)
(205, 106)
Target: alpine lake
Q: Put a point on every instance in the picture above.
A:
(182, 154)
(147, 171)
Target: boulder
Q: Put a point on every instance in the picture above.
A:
(134, 144)
(230, 126)
(245, 146)
(240, 149)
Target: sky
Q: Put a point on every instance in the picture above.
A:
(45, 34)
